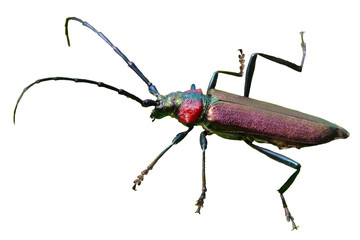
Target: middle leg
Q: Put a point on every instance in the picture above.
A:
(200, 201)
(215, 75)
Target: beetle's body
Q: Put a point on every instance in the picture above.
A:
(240, 118)
(227, 115)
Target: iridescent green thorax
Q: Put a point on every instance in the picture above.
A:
(167, 105)
(188, 107)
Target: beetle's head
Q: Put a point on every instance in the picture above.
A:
(166, 106)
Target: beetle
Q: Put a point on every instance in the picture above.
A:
(227, 115)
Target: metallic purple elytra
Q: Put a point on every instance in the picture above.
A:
(227, 115)
(240, 118)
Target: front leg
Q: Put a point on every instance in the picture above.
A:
(176, 140)
(200, 201)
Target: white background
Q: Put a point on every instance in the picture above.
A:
(67, 166)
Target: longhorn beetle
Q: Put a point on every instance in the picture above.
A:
(227, 115)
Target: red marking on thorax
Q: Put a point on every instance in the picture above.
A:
(190, 110)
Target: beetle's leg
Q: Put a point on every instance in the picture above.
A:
(289, 162)
(215, 75)
(176, 140)
(251, 66)
(200, 201)
(152, 88)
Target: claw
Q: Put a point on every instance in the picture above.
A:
(200, 202)
(242, 62)
(289, 218)
(136, 182)
(140, 178)
(294, 226)
(198, 210)
(288, 215)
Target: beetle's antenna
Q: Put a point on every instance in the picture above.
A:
(144, 103)
(152, 88)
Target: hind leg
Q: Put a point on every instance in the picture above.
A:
(252, 61)
(289, 162)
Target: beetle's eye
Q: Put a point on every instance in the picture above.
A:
(160, 104)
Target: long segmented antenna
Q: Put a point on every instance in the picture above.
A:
(152, 88)
(144, 103)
